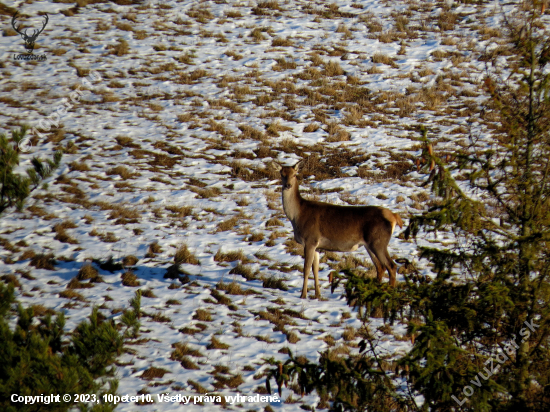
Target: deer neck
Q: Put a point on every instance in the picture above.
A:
(292, 202)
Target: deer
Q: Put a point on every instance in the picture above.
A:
(328, 227)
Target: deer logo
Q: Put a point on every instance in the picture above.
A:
(29, 40)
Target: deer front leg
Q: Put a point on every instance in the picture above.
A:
(316, 275)
(309, 255)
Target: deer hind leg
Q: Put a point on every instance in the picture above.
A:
(316, 275)
(309, 256)
(377, 264)
(380, 250)
(391, 267)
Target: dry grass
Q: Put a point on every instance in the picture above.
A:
(232, 381)
(120, 49)
(274, 128)
(221, 298)
(62, 235)
(227, 224)
(158, 317)
(183, 255)
(148, 293)
(43, 261)
(205, 193)
(336, 133)
(349, 334)
(182, 350)
(197, 387)
(283, 42)
(292, 337)
(203, 315)
(10, 279)
(121, 171)
(76, 284)
(273, 222)
(244, 271)
(234, 288)
(88, 272)
(256, 237)
(217, 344)
(129, 260)
(130, 279)
(384, 59)
(154, 249)
(447, 20)
(192, 331)
(231, 256)
(274, 282)
(374, 70)
(126, 141)
(79, 166)
(71, 294)
(187, 363)
(333, 68)
(66, 224)
(153, 373)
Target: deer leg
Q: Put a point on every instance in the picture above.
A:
(316, 275)
(385, 262)
(377, 264)
(309, 255)
(391, 267)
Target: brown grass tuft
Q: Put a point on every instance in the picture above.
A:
(231, 256)
(273, 222)
(130, 279)
(183, 349)
(274, 282)
(227, 224)
(76, 284)
(122, 171)
(216, 344)
(244, 271)
(129, 260)
(333, 68)
(71, 294)
(203, 315)
(183, 255)
(197, 387)
(42, 261)
(153, 373)
(234, 288)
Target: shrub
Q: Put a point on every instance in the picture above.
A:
(40, 359)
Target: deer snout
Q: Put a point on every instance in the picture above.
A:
(286, 185)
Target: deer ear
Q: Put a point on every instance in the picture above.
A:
(276, 166)
(298, 166)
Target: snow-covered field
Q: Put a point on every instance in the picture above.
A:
(184, 104)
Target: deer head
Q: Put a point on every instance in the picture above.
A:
(29, 40)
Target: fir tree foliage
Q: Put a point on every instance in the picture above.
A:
(37, 358)
(494, 196)
(130, 317)
(15, 188)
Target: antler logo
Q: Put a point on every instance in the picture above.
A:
(29, 40)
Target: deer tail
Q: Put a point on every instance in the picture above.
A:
(398, 220)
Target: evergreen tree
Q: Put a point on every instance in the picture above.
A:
(35, 358)
(481, 328)
(14, 188)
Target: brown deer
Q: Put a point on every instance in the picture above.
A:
(323, 226)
